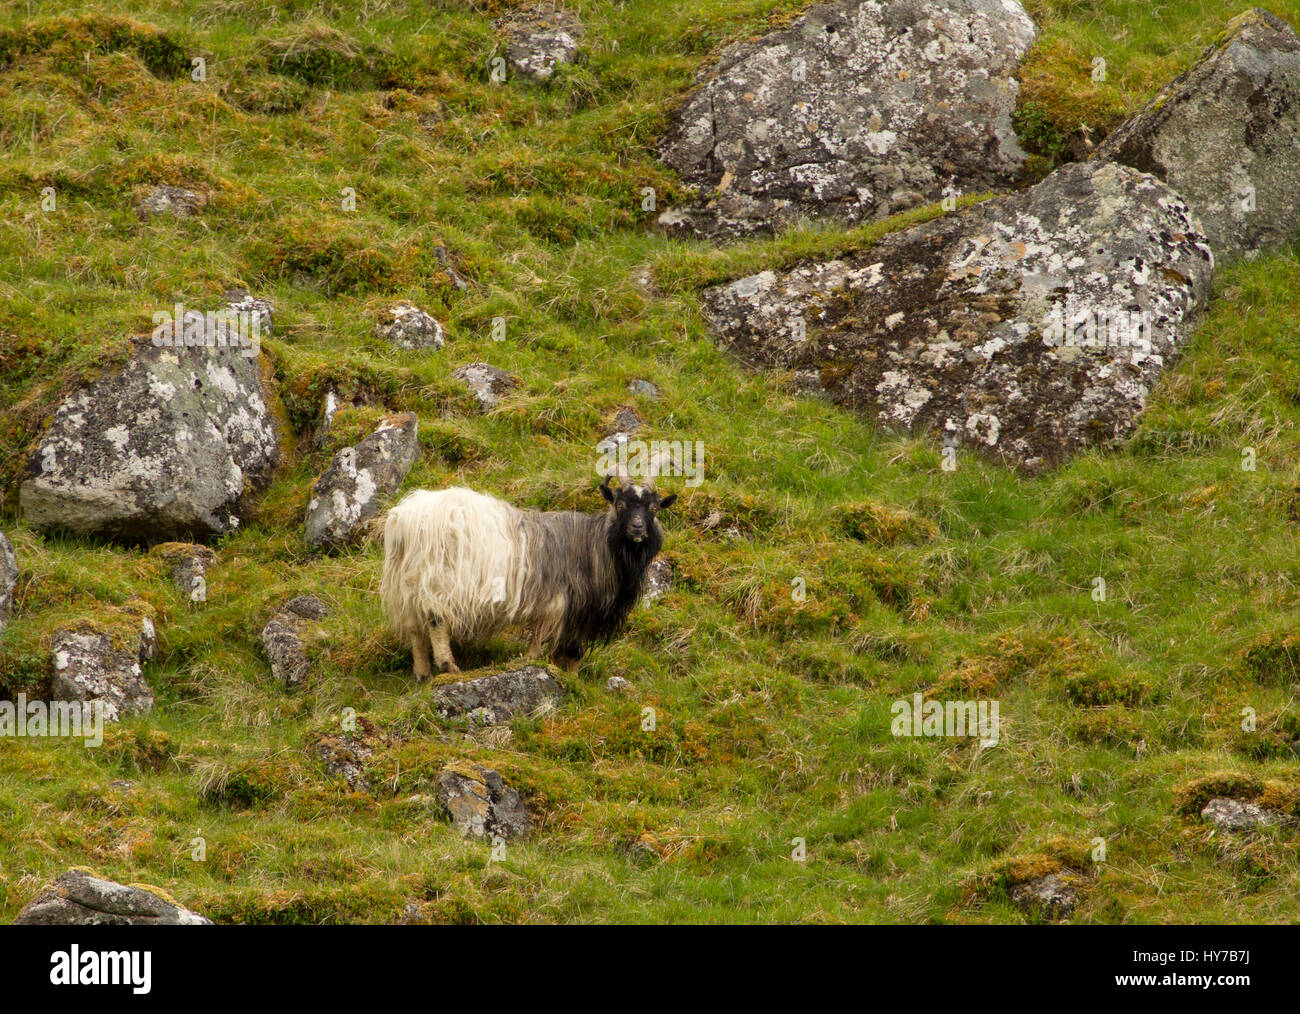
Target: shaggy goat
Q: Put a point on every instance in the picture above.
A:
(459, 565)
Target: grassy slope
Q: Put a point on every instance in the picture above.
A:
(773, 717)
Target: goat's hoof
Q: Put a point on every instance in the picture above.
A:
(451, 668)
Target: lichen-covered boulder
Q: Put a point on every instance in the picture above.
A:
(540, 38)
(1053, 895)
(1029, 327)
(658, 581)
(408, 327)
(857, 110)
(78, 898)
(1226, 136)
(347, 496)
(487, 383)
(91, 666)
(481, 804)
(1228, 814)
(497, 698)
(173, 445)
(8, 580)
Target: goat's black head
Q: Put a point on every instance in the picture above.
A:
(635, 507)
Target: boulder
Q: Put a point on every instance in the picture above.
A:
(486, 383)
(78, 898)
(481, 804)
(1029, 327)
(409, 327)
(347, 496)
(282, 639)
(539, 39)
(8, 580)
(497, 698)
(91, 666)
(166, 200)
(173, 445)
(856, 111)
(1226, 136)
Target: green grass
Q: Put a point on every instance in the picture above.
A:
(773, 716)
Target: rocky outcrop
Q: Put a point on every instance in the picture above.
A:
(408, 327)
(480, 803)
(489, 700)
(282, 639)
(539, 39)
(857, 110)
(1226, 136)
(487, 383)
(8, 580)
(78, 898)
(173, 445)
(92, 666)
(348, 495)
(1029, 327)
(345, 757)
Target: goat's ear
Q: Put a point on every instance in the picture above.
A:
(605, 491)
(667, 501)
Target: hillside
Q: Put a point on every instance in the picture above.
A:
(513, 212)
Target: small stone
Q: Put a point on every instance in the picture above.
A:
(409, 327)
(658, 580)
(345, 757)
(190, 564)
(487, 383)
(481, 804)
(8, 580)
(490, 700)
(539, 39)
(644, 388)
(282, 639)
(307, 607)
(1236, 814)
(618, 685)
(1051, 895)
(77, 898)
(166, 200)
(625, 421)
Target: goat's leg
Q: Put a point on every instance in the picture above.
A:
(442, 656)
(535, 644)
(567, 657)
(420, 653)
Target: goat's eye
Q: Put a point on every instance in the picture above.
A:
(619, 505)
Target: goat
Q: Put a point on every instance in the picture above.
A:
(460, 565)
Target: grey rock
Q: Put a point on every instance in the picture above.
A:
(190, 564)
(499, 697)
(481, 804)
(87, 666)
(1051, 895)
(856, 111)
(8, 580)
(1236, 814)
(626, 421)
(77, 898)
(618, 685)
(539, 39)
(1030, 327)
(1226, 136)
(487, 383)
(174, 445)
(644, 388)
(167, 200)
(345, 757)
(282, 639)
(409, 327)
(658, 580)
(348, 495)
